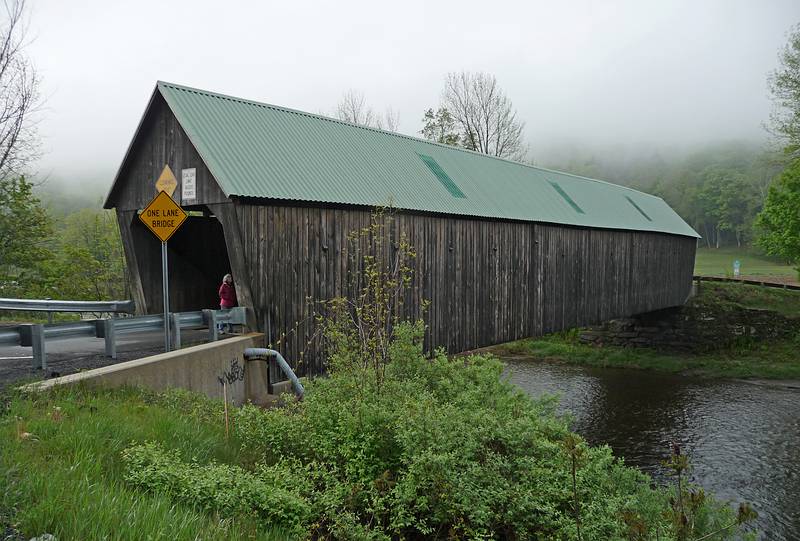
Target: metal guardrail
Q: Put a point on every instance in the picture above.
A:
(36, 335)
(47, 305)
(763, 283)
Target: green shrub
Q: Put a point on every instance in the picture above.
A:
(441, 448)
(221, 488)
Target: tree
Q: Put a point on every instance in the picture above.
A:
(487, 121)
(784, 85)
(25, 229)
(19, 95)
(24, 223)
(90, 263)
(779, 221)
(353, 108)
(440, 127)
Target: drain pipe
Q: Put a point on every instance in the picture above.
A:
(252, 354)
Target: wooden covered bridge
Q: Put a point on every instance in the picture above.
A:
(505, 250)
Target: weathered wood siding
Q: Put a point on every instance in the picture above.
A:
(161, 141)
(488, 282)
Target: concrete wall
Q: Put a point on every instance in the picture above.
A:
(200, 368)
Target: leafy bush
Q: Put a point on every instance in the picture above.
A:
(228, 490)
(441, 448)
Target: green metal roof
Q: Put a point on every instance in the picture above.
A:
(259, 150)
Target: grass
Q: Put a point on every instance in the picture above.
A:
(15, 318)
(783, 301)
(777, 359)
(61, 471)
(719, 262)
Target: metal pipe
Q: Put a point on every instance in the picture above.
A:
(165, 294)
(251, 354)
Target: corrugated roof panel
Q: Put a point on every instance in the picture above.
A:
(259, 150)
(637, 207)
(441, 176)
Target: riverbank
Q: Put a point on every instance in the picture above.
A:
(435, 449)
(777, 360)
(716, 351)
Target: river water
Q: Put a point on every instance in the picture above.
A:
(743, 438)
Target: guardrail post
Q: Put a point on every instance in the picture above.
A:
(176, 330)
(210, 317)
(110, 338)
(37, 343)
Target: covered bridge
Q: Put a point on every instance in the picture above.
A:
(505, 250)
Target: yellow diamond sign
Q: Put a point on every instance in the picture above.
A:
(167, 181)
(163, 216)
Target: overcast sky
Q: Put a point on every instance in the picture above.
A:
(634, 72)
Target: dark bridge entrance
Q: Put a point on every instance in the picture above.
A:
(198, 258)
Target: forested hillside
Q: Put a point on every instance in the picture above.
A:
(718, 189)
(60, 243)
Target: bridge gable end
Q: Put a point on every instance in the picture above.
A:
(161, 140)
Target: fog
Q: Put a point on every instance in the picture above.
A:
(628, 76)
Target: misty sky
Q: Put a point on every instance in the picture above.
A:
(625, 73)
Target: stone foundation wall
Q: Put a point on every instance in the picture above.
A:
(692, 328)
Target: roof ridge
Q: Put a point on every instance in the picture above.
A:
(176, 86)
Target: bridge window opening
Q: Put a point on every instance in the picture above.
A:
(566, 197)
(198, 259)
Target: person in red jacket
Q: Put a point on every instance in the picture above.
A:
(227, 295)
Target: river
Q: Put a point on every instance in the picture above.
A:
(743, 438)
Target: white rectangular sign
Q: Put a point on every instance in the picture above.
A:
(188, 184)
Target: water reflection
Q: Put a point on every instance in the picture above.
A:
(743, 438)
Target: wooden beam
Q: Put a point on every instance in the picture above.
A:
(124, 219)
(226, 214)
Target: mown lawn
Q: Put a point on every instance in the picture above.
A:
(719, 262)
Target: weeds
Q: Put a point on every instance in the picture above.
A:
(688, 511)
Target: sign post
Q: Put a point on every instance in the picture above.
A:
(165, 294)
(163, 217)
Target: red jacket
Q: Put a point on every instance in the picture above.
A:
(227, 295)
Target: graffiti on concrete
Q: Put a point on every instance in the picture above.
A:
(233, 374)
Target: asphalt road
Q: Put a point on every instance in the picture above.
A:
(75, 354)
